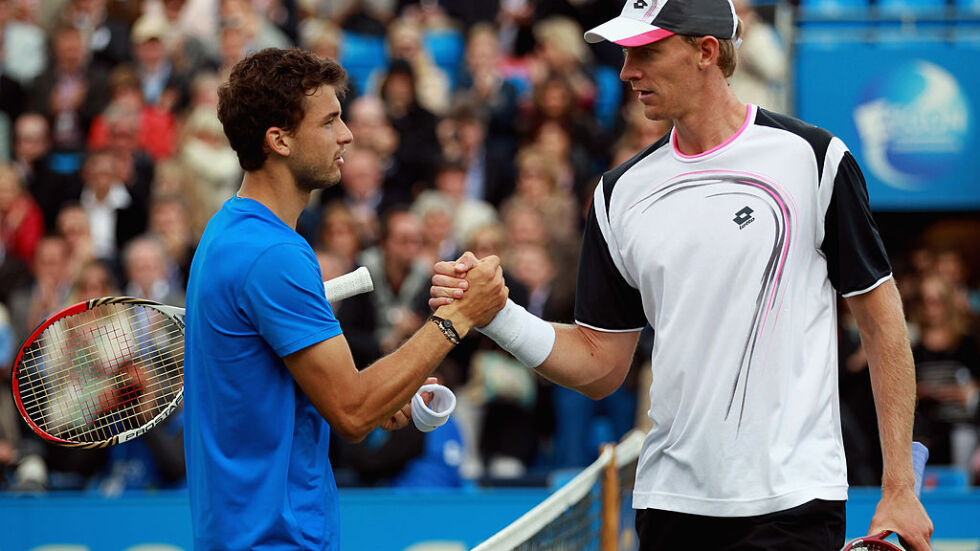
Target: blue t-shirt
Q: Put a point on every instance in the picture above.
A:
(256, 448)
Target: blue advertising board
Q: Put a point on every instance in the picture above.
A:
(907, 111)
(375, 520)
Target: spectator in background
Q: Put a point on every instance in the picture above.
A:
(149, 271)
(537, 187)
(399, 279)
(399, 275)
(415, 125)
(435, 210)
(468, 213)
(114, 216)
(106, 36)
(169, 222)
(554, 100)
(161, 84)
(947, 369)
(368, 121)
(561, 51)
(760, 76)
(431, 82)
(338, 234)
(21, 220)
(24, 53)
(323, 38)
(71, 91)
(156, 129)
(188, 51)
(259, 32)
(47, 294)
(637, 133)
(488, 169)
(572, 163)
(952, 268)
(73, 225)
(14, 274)
(524, 224)
(232, 46)
(135, 167)
(33, 163)
(363, 193)
(209, 162)
(482, 82)
(12, 103)
(503, 411)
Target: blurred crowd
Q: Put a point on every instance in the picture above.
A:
(478, 125)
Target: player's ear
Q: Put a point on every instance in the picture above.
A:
(709, 48)
(278, 141)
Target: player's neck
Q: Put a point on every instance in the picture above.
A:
(277, 191)
(712, 124)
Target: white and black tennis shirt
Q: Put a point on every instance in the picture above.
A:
(734, 256)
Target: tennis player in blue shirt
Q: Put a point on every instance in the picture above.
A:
(268, 372)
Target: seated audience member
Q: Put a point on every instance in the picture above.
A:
(47, 294)
(156, 129)
(21, 220)
(34, 163)
(114, 215)
(148, 270)
(947, 369)
(169, 222)
(400, 278)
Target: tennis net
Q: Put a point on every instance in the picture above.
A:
(590, 512)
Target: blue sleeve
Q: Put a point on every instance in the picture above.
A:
(283, 297)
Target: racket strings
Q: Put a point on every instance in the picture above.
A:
(98, 373)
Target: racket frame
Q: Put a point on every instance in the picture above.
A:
(174, 313)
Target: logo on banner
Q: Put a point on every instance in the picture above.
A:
(914, 124)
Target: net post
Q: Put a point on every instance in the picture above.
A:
(610, 504)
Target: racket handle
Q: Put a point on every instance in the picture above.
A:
(920, 454)
(350, 284)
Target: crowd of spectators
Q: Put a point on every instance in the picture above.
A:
(483, 126)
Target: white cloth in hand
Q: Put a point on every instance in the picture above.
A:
(432, 416)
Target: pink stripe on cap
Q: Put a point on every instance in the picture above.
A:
(644, 38)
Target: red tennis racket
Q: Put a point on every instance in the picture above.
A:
(107, 370)
(877, 542)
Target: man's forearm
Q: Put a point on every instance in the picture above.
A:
(886, 341)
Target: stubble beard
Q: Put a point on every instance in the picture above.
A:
(310, 179)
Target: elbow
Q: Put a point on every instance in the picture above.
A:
(353, 425)
(353, 431)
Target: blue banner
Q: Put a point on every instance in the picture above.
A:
(384, 520)
(907, 111)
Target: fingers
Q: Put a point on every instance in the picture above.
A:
(465, 262)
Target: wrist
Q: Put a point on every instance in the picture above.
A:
(461, 323)
(524, 335)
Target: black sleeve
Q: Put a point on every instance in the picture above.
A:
(856, 257)
(603, 299)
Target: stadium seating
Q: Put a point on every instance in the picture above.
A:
(446, 46)
(361, 55)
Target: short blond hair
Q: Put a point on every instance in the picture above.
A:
(727, 53)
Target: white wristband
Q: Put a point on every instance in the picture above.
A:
(526, 336)
(432, 416)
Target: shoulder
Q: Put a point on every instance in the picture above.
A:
(613, 176)
(818, 138)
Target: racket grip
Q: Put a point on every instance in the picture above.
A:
(920, 454)
(350, 284)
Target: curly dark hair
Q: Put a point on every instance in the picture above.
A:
(269, 88)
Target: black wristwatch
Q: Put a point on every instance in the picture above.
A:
(447, 328)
